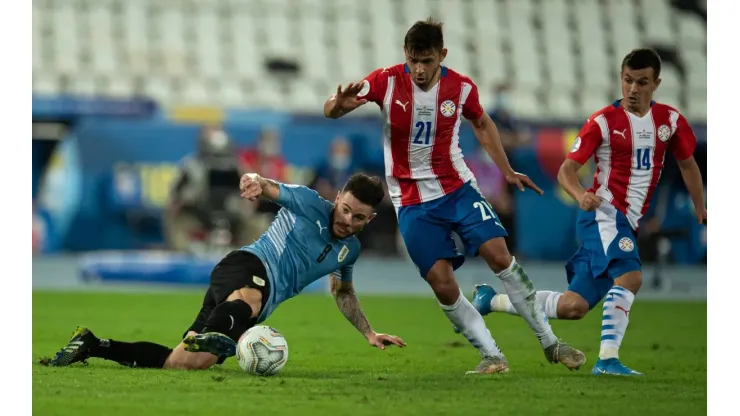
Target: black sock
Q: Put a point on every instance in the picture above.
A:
(132, 354)
(230, 318)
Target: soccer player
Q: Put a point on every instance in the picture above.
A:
(422, 105)
(310, 238)
(628, 140)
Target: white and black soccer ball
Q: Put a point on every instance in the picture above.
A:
(262, 351)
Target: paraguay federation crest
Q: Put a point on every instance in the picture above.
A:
(447, 108)
(626, 244)
(664, 133)
(342, 254)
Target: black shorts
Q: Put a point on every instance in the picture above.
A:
(237, 270)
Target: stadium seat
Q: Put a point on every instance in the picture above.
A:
(217, 51)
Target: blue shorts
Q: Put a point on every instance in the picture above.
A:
(608, 250)
(427, 227)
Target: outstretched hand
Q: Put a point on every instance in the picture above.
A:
(522, 181)
(346, 99)
(382, 340)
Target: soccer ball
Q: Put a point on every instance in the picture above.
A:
(262, 351)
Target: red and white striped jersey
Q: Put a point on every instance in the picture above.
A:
(423, 160)
(629, 152)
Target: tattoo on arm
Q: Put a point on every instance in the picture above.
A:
(346, 298)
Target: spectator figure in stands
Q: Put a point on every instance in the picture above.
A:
(501, 114)
(266, 160)
(334, 171)
(204, 206)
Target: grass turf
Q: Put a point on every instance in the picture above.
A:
(332, 369)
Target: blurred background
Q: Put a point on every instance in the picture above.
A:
(146, 112)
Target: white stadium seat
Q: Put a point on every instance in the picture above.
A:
(561, 56)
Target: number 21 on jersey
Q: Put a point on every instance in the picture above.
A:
(423, 132)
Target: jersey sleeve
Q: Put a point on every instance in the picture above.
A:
(374, 86)
(472, 110)
(299, 199)
(344, 273)
(587, 141)
(683, 143)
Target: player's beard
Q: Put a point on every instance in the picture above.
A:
(333, 223)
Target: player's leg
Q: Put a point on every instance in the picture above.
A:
(482, 233)
(582, 295)
(432, 249)
(84, 344)
(240, 289)
(615, 319)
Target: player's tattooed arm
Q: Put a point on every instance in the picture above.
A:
(349, 305)
(253, 185)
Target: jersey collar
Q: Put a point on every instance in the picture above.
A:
(618, 103)
(443, 73)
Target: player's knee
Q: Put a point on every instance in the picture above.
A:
(572, 306)
(442, 281)
(631, 281)
(496, 254)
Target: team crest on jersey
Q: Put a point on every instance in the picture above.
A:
(576, 145)
(365, 88)
(626, 244)
(447, 108)
(342, 254)
(664, 133)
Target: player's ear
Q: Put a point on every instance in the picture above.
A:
(442, 54)
(657, 83)
(370, 218)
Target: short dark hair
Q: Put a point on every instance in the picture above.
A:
(641, 59)
(367, 189)
(424, 36)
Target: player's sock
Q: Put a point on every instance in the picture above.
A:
(132, 354)
(547, 298)
(230, 318)
(614, 323)
(463, 315)
(523, 296)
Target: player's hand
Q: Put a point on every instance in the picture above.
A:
(250, 187)
(381, 340)
(521, 181)
(589, 201)
(701, 215)
(347, 99)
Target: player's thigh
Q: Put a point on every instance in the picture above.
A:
(610, 240)
(185, 360)
(427, 240)
(476, 222)
(583, 282)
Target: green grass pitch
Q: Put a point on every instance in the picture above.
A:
(332, 370)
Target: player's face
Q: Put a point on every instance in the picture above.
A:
(424, 65)
(638, 86)
(350, 215)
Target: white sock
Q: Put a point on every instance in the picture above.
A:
(614, 323)
(522, 295)
(471, 324)
(548, 300)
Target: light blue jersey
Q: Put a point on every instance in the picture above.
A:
(298, 248)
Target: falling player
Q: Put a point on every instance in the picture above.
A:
(628, 140)
(310, 238)
(422, 103)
